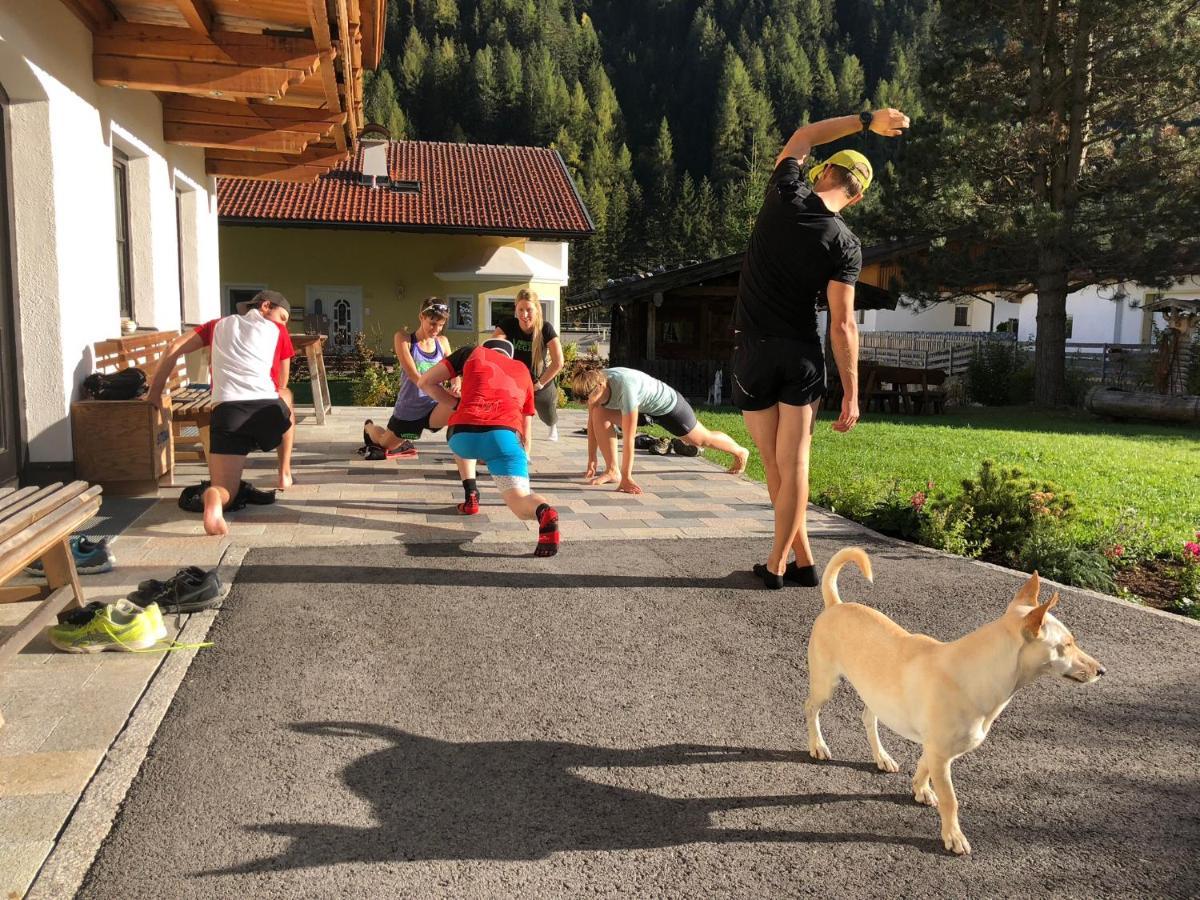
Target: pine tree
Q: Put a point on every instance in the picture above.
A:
(851, 84)
(485, 90)
(661, 200)
(744, 124)
(379, 103)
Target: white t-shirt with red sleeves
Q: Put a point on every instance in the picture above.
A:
(247, 355)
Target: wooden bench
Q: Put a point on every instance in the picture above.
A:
(190, 406)
(37, 523)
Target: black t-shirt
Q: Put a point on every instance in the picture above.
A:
(523, 342)
(796, 248)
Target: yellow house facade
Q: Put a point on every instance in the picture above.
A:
(363, 246)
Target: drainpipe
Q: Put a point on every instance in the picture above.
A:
(992, 318)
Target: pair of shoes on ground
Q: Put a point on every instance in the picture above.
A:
(373, 452)
(91, 557)
(663, 446)
(191, 498)
(188, 590)
(121, 626)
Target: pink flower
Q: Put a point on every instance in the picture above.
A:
(1193, 548)
(918, 500)
(1115, 552)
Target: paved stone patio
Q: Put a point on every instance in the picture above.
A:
(66, 714)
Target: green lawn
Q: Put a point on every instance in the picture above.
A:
(340, 391)
(1109, 467)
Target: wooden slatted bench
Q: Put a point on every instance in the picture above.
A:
(190, 406)
(37, 523)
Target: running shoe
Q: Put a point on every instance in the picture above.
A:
(404, 450)
(683, 448)
(118, 626)
(91, 557)
(470, 506)
(553, 435)
(189, 590)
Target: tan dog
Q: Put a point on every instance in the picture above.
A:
(945, 697)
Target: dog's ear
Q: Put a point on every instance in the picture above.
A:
(1027, 595)
(1032, 623)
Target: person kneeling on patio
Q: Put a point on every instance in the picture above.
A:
(492, 421)
(252, 406)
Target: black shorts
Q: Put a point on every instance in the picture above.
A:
(679, 421)
(768, 371)
(243, 426)
(411, 428)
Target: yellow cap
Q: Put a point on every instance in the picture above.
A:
(857, 164)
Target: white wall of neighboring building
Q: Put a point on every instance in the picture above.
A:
(940, 317)
(63, 130)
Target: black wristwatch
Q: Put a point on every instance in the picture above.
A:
(866, 118)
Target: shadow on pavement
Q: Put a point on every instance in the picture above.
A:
(522, 800)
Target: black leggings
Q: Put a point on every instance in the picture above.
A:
(546, 403)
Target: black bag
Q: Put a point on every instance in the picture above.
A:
(128, 384)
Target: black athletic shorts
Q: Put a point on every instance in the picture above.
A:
(767, 371)
(679, 421)
(243, 426)
(411, 428)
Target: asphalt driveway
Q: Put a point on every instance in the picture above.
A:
(627, 718)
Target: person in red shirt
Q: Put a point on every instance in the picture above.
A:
(252, 406)
(493, 421)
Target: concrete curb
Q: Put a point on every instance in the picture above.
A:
(68, 863)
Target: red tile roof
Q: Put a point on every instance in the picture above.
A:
(477, 188)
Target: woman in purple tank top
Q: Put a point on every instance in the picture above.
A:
(415, 411)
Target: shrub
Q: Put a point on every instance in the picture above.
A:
(854, 500)
(944, 531)
(572, 360)
(991, 374)
(1001, 508)
(1055, 555)
(898, 515)
(1126, 542)
(1189, 578)
(376, 387)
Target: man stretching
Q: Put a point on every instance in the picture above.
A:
(800, 251)
(251, 362)
(492, 422)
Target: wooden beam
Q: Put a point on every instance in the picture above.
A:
(318, 14)
(180, 77)
(235, 169)
(346, 58)
(232, 48)
(182, 109)
(313, 156)
(95, 14)
(716, 290)
(198, 15)
(237, 138)
(373, 19)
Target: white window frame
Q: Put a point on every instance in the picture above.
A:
(228, 289)
(454, 300)
(547, 309)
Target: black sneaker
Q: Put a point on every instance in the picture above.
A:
(683, 448)
(190, 590)
(660, 447)
(150, 588)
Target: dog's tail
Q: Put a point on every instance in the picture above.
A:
(829, 588)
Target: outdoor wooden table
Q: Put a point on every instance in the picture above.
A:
(902, 378)
(313, 346)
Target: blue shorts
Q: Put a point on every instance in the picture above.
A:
(500, 448)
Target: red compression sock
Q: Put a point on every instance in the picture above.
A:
(547, 520)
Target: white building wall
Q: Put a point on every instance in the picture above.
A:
(940, 317)
(64, 129)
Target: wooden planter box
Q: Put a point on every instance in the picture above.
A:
(120, 441)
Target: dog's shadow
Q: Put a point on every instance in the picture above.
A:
(525, 800)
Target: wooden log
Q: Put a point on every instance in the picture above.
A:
(229, 138)
(1118, 404)
(229, 48)
(181, 77)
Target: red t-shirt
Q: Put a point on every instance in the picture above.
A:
(497, 392)
(247, 356)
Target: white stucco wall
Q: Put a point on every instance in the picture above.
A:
(63, 131)
(939, 317)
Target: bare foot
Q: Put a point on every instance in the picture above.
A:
(214, 514)
(739, 462)
(285, 480)
(606, 478)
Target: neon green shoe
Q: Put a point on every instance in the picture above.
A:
(118, 626)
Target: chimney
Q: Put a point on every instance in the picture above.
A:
(374, 140)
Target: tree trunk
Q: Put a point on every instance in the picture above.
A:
(1049, 364)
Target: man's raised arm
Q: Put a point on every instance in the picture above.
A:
(887, 122)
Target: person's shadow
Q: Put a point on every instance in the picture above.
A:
(524, 800)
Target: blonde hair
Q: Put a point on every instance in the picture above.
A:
(586, 381)
(538, 363)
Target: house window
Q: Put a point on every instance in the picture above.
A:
(962, 316)
(239, 293)
(500, 308)
(462, 314)
(1070, 326)
(121, 205)
(860, 316)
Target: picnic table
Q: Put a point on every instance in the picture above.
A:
(894, 389)
(313, 346)
(37, 523)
